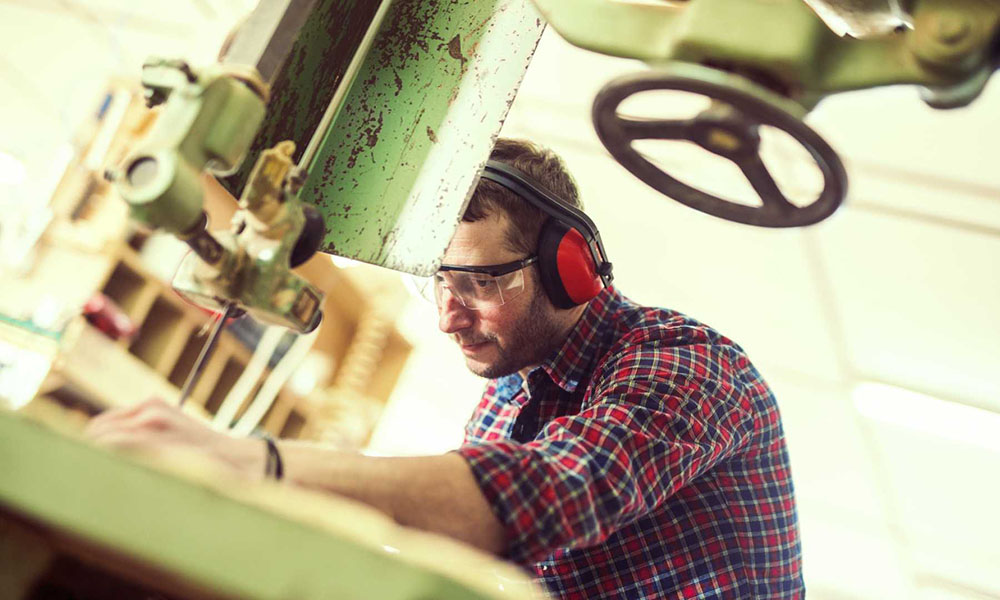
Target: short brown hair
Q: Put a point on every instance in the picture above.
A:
(541, 164)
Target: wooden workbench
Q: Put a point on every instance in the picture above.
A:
(176, 527)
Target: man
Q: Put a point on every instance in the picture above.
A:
(618, 451)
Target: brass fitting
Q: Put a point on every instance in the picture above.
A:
(264, 195)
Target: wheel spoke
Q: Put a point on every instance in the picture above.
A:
(765, 186)
(643, 129)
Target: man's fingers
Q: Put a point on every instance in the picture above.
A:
(121, 439)
(144, 429)
(133, 442)
(150, 412)
(111, 419)
(113, 414)
(155, 426)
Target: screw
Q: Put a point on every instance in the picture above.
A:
(296, 178)
(154, 97)
(951, 28)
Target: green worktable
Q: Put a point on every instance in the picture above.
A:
(196, 532)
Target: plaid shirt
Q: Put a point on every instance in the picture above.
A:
(644, 459)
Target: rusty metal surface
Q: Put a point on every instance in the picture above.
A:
(304, 85)
(397, 165)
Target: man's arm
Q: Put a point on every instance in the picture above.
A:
(433, 493)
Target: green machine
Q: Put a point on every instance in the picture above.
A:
(767, 63)
(354, 127)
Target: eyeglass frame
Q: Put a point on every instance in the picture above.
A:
(494, 271)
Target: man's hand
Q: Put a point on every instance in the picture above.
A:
(434, 493)
(155, 425)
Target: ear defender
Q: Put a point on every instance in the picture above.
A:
(571, 258)
(567, 270)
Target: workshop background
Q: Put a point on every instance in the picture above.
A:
(877, 328)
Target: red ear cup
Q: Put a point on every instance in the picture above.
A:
(576, 268)
(567, 269)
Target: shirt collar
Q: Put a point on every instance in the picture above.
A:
(572, 362)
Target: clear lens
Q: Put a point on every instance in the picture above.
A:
(477, 290)
(420, 286)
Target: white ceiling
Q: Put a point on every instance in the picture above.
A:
(901, 286)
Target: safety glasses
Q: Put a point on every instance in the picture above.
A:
(478, 287)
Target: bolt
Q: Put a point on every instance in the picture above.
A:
(296, 178)
(154, 97)
(723, 140)
(184, 68)
(951, 28)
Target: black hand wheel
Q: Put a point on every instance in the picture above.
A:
(729, 129)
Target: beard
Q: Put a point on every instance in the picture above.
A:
(533, 337)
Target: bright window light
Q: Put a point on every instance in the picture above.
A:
(22, 372)
(344, 263)
(928, 415)
(12, 171)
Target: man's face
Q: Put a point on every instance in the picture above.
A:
(503, 339)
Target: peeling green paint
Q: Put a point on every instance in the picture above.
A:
(307, 81)
(398, 163)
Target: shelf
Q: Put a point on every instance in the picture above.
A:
(125, 287)
(162, 337)
(107, 375)
(225, 382)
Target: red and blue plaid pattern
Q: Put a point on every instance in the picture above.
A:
(645, 459)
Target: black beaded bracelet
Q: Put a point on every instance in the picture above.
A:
(272, 466)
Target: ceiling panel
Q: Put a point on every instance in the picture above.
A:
(892, 126)
(917, 302)
(834, 471)
(845, 561)
(943, 494)
(894, 191)
(907, 157)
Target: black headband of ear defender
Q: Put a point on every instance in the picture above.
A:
(534, 193)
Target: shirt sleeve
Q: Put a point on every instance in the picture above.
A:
(659, 420)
